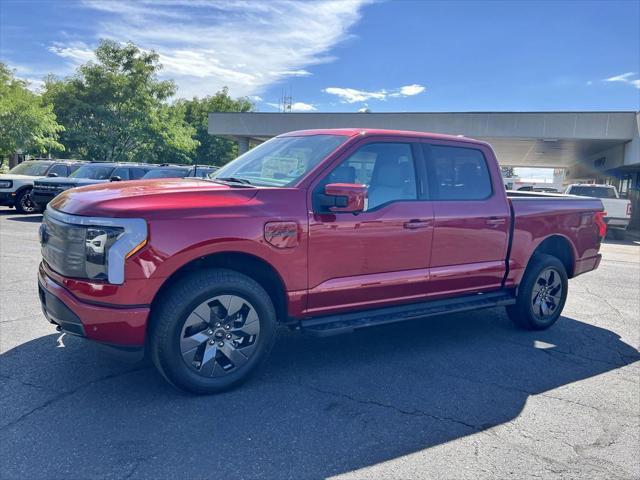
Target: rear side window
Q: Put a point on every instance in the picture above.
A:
(457, 173)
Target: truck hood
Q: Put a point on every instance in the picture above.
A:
(76, 182)
(150, 198)
(11, 176)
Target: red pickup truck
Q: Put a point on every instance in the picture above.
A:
(325, 231)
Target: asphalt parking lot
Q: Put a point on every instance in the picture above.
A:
(455, 397)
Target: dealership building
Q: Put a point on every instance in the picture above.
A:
(601, 147)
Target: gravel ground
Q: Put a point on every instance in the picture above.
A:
(454, 397)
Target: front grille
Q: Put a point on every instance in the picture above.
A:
(44, 188)
(63, 247)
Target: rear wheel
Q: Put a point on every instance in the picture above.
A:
(541, 294)
(212, 330)
(24, 204)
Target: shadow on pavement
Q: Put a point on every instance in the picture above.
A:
(320, 407)
(33, 218)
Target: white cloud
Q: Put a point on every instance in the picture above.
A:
(303, 107)
(351, 95)
(625, 78)
(410, 90)
(296, 107)
(207, 44)
(75, 52)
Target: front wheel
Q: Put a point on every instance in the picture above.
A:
(24, 204)
(541, 294)
(212, 330)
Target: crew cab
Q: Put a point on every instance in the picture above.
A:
(89, 174)
(325, 231)
(17, 184)
(618, 210)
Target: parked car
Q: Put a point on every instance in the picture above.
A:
(17, 184)
(618, 210)
(180, 171)
(326, 231)
(89, 174)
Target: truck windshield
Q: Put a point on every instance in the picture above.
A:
(597, 192)
(33, 169)
(281, 161)
(166, 173)
(93, 172)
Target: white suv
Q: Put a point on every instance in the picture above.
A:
(17, 184)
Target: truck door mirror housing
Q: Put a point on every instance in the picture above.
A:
(52, 174)
(115, 178)
(344, 197)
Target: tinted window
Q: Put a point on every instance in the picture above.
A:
(137, 172)
(387, 169)
(166, 173)
(588, 191)
(122, 172)
(93, 171)
(457, 173)
(59, 169)
(73, 167)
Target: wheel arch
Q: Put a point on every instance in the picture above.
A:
(245, 263)
(560, 247)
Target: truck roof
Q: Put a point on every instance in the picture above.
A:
(352, 132)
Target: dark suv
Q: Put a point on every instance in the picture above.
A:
(89, 174)
(16, 185)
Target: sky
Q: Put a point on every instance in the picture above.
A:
(351, 55)
(347, 55)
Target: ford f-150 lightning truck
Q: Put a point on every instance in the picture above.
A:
(325, 231)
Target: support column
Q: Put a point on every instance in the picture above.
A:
(243, 145)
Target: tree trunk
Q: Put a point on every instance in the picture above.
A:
(13, 160)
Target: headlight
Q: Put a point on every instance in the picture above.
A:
(98, 241)
(94, 248)
(6, 184)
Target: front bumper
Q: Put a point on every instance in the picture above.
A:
(7, 199)
(118, 326)
(617, 222)
(41, 199)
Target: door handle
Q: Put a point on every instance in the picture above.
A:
(414, 224)
(496, 221)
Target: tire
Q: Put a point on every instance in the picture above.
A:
(24, 204)
(191, 326)
(531, 311)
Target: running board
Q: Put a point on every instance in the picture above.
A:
(348, 322)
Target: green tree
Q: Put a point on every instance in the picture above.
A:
(211, 149)
(27, 122)
(115, 109)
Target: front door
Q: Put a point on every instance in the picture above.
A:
(379, 256)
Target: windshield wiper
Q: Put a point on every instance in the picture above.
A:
(244, 181)
(234, 179)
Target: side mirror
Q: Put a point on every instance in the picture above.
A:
(344, 197)
(52, 174)
(115, 178)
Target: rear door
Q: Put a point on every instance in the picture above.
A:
(381, 255)
(471, 218)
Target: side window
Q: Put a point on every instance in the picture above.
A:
(137, 172)
(457, 173)
(387, 169)
(59, 169)
(122, 172)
